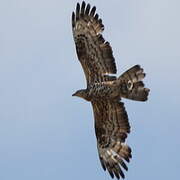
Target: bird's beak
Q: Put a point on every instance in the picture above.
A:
(74, 94)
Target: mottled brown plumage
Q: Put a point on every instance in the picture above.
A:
(105, 91)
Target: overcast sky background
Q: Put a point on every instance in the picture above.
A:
(45, 133)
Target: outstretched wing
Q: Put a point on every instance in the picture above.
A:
(112, 127)
(94, 53)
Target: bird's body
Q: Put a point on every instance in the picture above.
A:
(96, 91)
(124, 86)
(105, 91)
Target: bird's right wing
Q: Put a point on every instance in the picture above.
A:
(94, 53)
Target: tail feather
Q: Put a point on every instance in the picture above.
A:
(131, 84)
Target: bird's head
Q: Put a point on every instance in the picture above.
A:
(82, 94)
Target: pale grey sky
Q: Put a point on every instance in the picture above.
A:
(47, 134)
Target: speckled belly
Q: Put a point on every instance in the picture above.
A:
(104, 90)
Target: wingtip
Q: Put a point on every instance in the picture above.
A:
(73, 19)
(77, 10)
(83, 4)
(78, 6)
(102, 164)
(93, 10)
(88, 7)
(111, 174)
(96, 16)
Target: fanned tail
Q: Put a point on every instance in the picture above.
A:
(131, 84)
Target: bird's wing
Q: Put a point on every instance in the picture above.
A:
(112, 127)
(94, 53)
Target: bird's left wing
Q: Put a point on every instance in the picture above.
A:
(94, 53)
(112, 127)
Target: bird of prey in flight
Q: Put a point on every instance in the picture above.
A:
(105, 90)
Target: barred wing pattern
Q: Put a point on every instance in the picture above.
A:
(94, 53)
(112, 127)
(96, 57)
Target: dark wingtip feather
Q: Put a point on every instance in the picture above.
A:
(117, 175)
(137, 66)
(109, 169)
(77, 8)
(124, 165)
(73, 19)
(87, 9)
(127, 159)
(93, 10)
(122, 174)
(129, 149)
(96, 16)
(102, 164)
(111, 174)
(83, 7)
(83, 4)
(77, 11)
(100, 21)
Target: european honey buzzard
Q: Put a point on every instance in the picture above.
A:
(104, 90)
